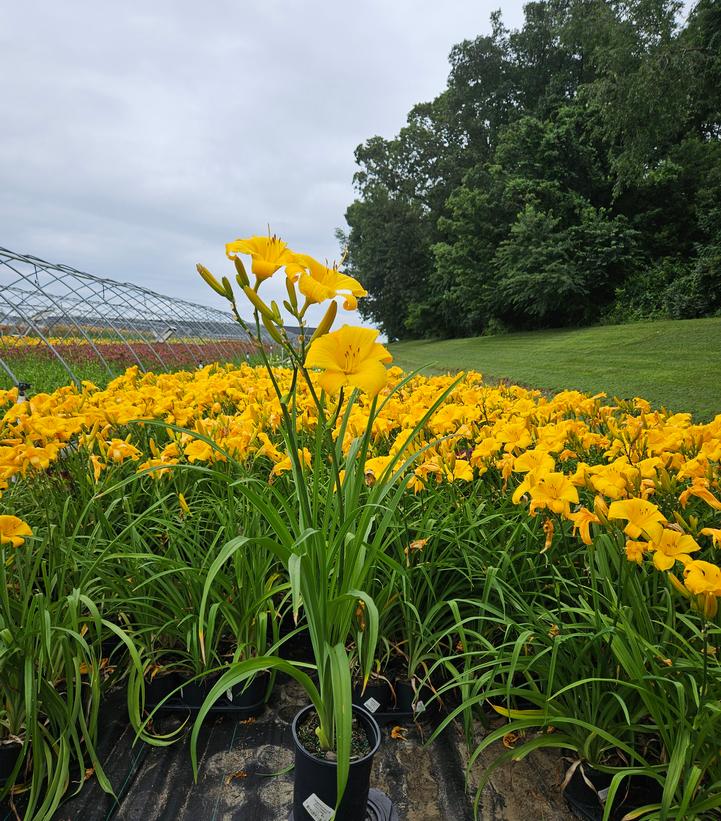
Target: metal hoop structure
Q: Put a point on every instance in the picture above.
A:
(60, 313)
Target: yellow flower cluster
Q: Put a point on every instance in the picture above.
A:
(571, 456)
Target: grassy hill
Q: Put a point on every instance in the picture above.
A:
(675, 364)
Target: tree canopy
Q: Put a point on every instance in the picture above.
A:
(569, 173)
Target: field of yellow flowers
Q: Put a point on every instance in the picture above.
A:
(567, 549)
(569, 459)
(541, 570)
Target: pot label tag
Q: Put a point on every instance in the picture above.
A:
(229, 694)
(317, 809)
(603, 794)
(419, 707)
(371, 705)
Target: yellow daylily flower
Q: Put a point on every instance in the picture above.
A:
(529, 480)
(351, 357)
(269, 450)
(484, 450)
(200, 451)
(459, 470)
(714, 533)
(514, 435)
(268, 254)
(534, 459)
(582, 521)
(552, 491)
(699, 488)
(635, 550)
(318, 282)
(375, 468)
(13, 530)
(614, 480)
(118, 450)
(157, 467)
(642, 517)
(672, 546)
(304, 455)
(703, 579)
(98, 466)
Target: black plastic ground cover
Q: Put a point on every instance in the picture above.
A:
(239, 766)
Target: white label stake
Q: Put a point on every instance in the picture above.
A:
(371, 705)
(317, 809)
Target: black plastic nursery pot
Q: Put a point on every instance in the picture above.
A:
(587, 789)
(314, 792)
(376, 698)
(9, 754)
(247, 699)
(417, 704)
(396, 703)
(159, 687)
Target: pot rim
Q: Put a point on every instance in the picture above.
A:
(362, 713)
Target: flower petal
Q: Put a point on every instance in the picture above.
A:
(332, 381)
(371, 378)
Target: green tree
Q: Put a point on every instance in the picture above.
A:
(389, 252)
(569, 171)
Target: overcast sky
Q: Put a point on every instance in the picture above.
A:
(138, 137)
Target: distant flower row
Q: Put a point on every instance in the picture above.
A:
(178, 354)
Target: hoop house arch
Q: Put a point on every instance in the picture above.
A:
(56, 312)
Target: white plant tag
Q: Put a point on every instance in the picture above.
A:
(317, 809)
(229, 694)
(603, 794)
(371, 705)
(419, 707)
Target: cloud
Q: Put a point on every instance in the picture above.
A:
(136, 142)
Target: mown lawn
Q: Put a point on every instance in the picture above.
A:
(673, 364)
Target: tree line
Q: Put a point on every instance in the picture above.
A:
(568, 174)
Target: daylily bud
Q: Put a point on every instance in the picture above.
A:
(292, 295)
(201, 641)
(276, 312)
(678, 584)
(288, 307)
(710, 605)
(210, 280)
(228, 289)
(242, 275)
(600, 508)
(680, 521)
(327, 322)
(258, 303)
(272, 330)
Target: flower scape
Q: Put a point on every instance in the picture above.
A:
(554, 559)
